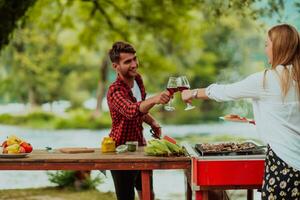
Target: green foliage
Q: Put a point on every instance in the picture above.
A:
(91, 183)
(62, 178)
(34, 119)
(13, 120)
(66, 179)
(80, 118)
(7, 119)
(10, 12)
(56, 54)
(40, 116)
(74, 119)
(34, 61)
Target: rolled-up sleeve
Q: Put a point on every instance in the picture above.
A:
(126, 107)
(250, 87)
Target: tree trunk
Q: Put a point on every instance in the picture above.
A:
(32, 99)
(101, 85)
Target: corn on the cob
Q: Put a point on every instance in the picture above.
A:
(162, 147)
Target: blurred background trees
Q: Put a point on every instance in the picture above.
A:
(58, 50)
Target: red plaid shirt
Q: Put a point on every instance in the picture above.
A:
(126, 117)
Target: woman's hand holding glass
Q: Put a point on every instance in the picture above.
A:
(187, 96)
(183, 85)
(176, 84)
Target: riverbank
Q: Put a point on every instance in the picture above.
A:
(75, 119)
(82, 118)
(52, 193)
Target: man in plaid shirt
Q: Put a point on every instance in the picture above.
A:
(129, 108)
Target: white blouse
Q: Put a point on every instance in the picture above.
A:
(277, 119)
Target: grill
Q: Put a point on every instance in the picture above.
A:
(225, 169)
(229, 149)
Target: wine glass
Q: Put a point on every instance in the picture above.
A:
(183, 84)
(172, 88)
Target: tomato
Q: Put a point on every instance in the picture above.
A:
(26, 146)
(168, 138)
(22, 150)
(4, 144)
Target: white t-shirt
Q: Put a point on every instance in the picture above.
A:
(136, 91)
(277, 120)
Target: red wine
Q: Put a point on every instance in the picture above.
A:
(172, 90)
(181, 88)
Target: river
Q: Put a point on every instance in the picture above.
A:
(163, 187)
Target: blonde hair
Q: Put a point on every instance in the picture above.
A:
(286, 51)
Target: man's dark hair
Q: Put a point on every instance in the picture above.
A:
(118, 48)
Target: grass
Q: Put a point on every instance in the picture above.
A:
(74, 119)
(52, 193)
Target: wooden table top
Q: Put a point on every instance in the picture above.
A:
(44, 160)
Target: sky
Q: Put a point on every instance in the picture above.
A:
(290, 15)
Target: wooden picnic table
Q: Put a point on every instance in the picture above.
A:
(44, 160)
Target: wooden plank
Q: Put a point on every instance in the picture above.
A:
(188, 189)
(43, 160)
(250, 195)
(96, 157)
(77, 150)
(93, 166)
(47, 166)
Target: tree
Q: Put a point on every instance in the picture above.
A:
(172, 37)
(10, 12)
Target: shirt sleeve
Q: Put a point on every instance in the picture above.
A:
(250, 87)
(126, 107)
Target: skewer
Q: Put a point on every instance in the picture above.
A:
(250, 121)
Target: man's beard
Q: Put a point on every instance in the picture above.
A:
(129, 74)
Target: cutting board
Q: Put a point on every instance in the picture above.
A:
(76, 150)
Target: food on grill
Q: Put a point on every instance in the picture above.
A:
(227, 147)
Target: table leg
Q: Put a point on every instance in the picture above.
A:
(249, 194)
(146, 189)
(188, 189)
(202, 195)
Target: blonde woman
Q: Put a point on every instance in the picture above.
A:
(275, 94)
